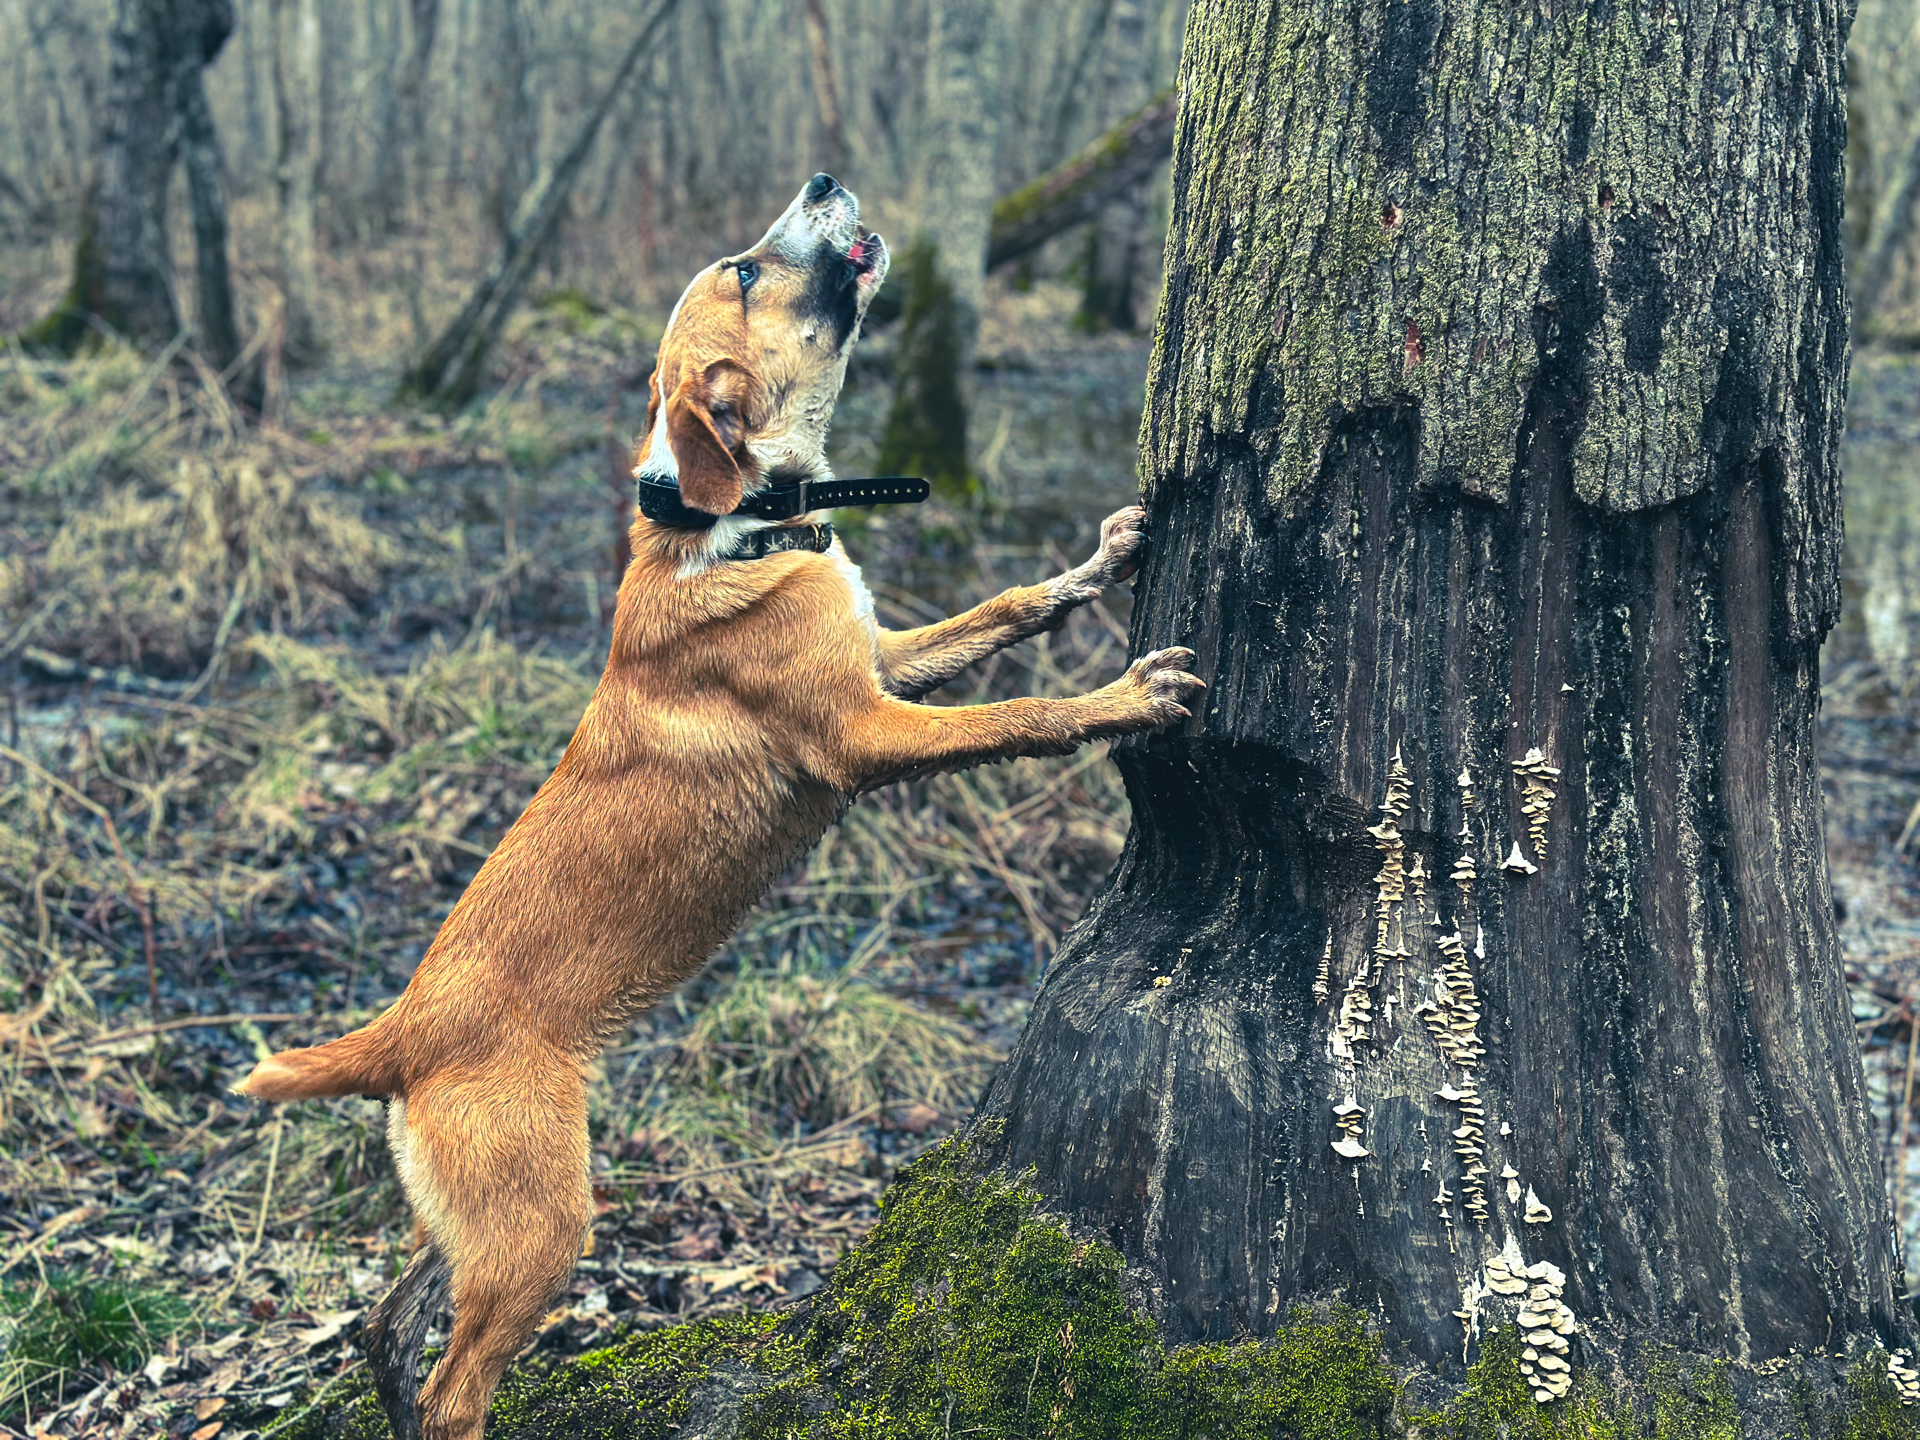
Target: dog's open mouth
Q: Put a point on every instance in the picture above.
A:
(864, 253)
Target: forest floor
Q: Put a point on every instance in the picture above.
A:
(275, 689)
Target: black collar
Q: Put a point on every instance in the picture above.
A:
(660, 501)
(759, 544)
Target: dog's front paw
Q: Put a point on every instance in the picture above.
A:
(1163, 683)
(1122, 534)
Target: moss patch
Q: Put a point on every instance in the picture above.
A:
(966, 1311)
(1872, 1408)
(970, 1311)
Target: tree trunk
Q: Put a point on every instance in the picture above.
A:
(296, 91)
(1490, 459)
(946, 276)
(218, 329)
(1113, 253)
(122, 270)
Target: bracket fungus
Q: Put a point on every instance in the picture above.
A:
(1518, 864)
(1905, 1378)
(1536, 797)
(1545, 1325)
(1512, 1177)
(1323, 980)
(1347, 1118)
(1537, 1212)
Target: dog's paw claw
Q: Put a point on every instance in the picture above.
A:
(1121, 536)
(1164, 677)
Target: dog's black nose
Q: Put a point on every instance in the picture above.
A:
(821, 186)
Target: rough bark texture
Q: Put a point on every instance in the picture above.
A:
(123, 273)
(1494, 408)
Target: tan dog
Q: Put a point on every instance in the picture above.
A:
(747, 698)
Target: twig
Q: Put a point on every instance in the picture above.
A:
(235, 603)
(266, 1191)
(787, 1152)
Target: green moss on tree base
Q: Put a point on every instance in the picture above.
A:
(970, 1311)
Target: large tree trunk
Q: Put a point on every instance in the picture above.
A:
(1490, 455)
(122, 270)
(946, 261)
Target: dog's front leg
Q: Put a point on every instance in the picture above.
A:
(913, 662)
(896, 740)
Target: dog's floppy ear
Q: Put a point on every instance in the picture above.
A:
(703, 425)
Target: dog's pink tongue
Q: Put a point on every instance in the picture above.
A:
(859, 249)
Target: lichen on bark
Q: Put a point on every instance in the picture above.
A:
(1476, 192)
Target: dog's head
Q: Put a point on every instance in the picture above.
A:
(755, 351)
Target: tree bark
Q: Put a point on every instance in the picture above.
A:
(296, 91)
(218, 328)
(1492, 427)
(449, 373)
(1113, 251)
(926, 429)
(122, 269)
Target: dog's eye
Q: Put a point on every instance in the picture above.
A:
(749, 272)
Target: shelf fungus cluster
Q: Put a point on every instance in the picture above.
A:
(1537, 1212)
(1536, 798)
(1469, 1143)
(1545, 1323)
(1347, 1118)
(1453, 1012)
(1464, 872)
(1323, 980)
(1906, 1379)
(1390, 885)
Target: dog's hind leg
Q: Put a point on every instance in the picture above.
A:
(505, 1156)
(396, 1333)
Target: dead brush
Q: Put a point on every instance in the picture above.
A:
(463, 731)
(156, 576)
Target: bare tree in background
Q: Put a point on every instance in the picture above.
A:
(1118, 235)
(156, 105)
(296, 89)
(402, 157)
(946, 262)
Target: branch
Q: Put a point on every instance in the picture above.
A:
(449, 372)
(1075, 192)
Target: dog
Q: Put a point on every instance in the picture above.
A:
(747, 699)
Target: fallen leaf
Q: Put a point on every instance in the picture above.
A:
(208, 1431)
(209, 1407)
(331, 1324)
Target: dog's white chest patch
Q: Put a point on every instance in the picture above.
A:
(863, 598)
(856, 585)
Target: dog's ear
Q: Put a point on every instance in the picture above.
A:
(704, 424)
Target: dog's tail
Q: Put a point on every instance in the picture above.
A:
(362, 1063)
(395, 1334)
